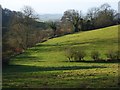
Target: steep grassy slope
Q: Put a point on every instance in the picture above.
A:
(45, 65)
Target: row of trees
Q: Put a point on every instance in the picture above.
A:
(74, 21)
(97, 17)
(79, 55)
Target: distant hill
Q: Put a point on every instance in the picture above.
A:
(50, 17)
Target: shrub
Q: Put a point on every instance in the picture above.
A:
(95, 55)
(76, 55)
(113, 54)
(117, 54)
(69, 54)
(79, 55)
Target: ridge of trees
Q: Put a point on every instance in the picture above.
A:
(97, 17)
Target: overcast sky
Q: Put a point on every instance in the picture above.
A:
(56, 6)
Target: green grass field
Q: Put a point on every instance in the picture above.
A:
(45, 65)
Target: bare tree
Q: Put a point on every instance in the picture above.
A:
(53, 26)
(105, 16)
(73, 17)
(101, 16)
(22, 27)
(29, 18)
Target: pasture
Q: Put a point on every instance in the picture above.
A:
(46, 66)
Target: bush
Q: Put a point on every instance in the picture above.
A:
(76, 55)
(117, 54)
(79, 55)
(113, 55)
(95, 55)
(69, 54)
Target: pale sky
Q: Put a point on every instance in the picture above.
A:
(56, 6)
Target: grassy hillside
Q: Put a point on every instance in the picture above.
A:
(45, 65)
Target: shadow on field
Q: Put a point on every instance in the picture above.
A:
(91, 41)
(27, 56)
(99, 61)
(53, 47)
(25, 68)
(63, 44)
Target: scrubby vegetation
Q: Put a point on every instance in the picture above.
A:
(79, 55)
(113, 54)
(75, 54)
(95, 55)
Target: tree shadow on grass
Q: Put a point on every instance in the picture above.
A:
(25, 68)
(53, 47)
(26, 56)
(62, 44)
(91, 41)
(99, 61)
